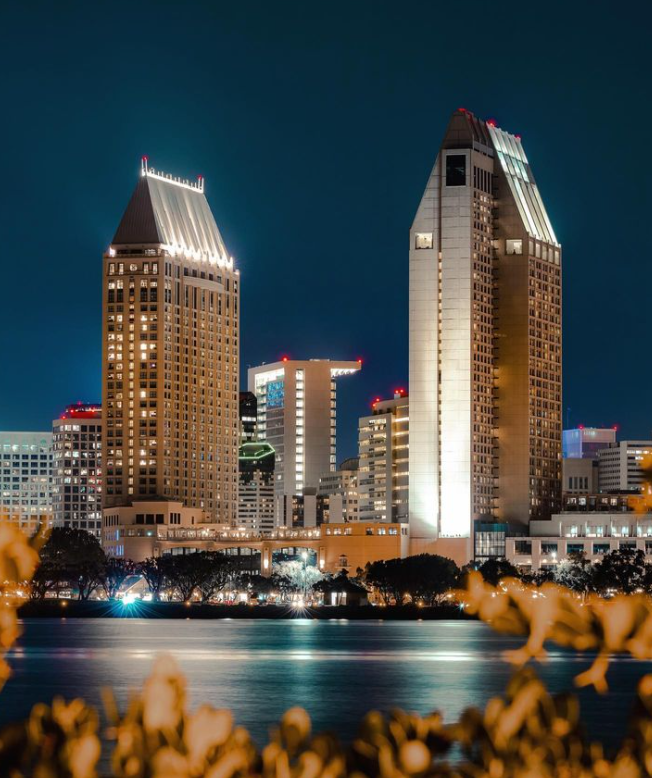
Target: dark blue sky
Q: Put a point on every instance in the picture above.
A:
(316, 125)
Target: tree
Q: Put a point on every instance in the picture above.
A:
(385, 577)
(301, 576)
(116, 571)
(622, 570)
(71, 556)
(575, 573)
(492, 570)
(154, 570)
(217, 572)
(424, 578)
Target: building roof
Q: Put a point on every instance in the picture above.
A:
(255, 450)
(173, 215)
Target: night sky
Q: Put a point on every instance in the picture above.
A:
(316, 126)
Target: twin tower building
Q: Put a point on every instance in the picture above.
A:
(485, 353)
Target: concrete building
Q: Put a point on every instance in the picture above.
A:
(256, 486)
(586, 442)
(247, 415)
(77, 468)
(579, 476)
(160, 528)
(170, 354)
(343, 483)
(591, 534)
(26, 479)
(383, 447)
(620, 468)
(296, 412)
(485, 343)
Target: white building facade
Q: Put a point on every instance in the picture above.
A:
(297, 416)
(26, 479)
(620, 467)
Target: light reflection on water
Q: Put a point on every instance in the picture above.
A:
(337, 670)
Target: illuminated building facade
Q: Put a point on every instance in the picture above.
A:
(296, 411)
(585, 442)
(383, 442)
(341, 487)
(620, 467)
(247, 414)
(256, 486)
(77, 468)
(170, 353)
(26, 479)
(485, 341)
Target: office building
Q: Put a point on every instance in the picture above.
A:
(256, 486)
(77, 468)
(620, 467)
(342, 485)
(585, 442)
(296, 413)
(383, 446)
(170, 355)
(26, 479)
(579, 475)
(485, 343)
(247, 415)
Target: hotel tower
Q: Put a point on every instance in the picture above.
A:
(485, 342)
(170, 356)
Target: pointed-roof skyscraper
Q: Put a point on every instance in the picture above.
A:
(485, 343)
(170, 354)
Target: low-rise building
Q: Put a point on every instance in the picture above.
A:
(592, 534)
(152, 529)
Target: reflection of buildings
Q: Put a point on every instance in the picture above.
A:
(77, 469)
(341, 488)
(485, 343)
(256, 486)
(297, 416)
(170, 355)
(25, 479)
(383, 441)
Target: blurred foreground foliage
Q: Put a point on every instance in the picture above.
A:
(527, 733)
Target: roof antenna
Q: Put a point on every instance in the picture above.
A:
(143, 166)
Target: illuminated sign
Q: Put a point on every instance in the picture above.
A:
(275, 394)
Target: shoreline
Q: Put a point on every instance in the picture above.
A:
(179, 610)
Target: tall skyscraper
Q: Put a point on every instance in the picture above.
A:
(170, 353)
(77, 468)
(342, 485)
(247, 413)
(485, 341)
(296, 402)
(26, 479)
(383, 441)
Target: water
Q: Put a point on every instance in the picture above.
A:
(337, 670)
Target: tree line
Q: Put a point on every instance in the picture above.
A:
(73, 559)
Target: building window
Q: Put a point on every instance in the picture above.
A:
(456, 170)
(423, 240)
(513, 247)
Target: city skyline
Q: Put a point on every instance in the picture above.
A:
(266, 179)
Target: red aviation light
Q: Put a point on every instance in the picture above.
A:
(580, 426)
(491, 122)
(284, 358)
(462, 110)
(518, 137)
(359, 360)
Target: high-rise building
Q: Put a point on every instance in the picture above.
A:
(342, 485)
(247, 414)
(77, 468)
(485, 342)
(620, 467)
(256, 486)
(585, 442)
(26, 479)
(383, 440)
(296, 402)
(170, 354)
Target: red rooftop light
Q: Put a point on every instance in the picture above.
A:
(359, 360)
(284, 359)
(491, 122)
(518, 137)
(463, 110)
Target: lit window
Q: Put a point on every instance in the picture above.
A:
(423, 240)
(513, 247)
